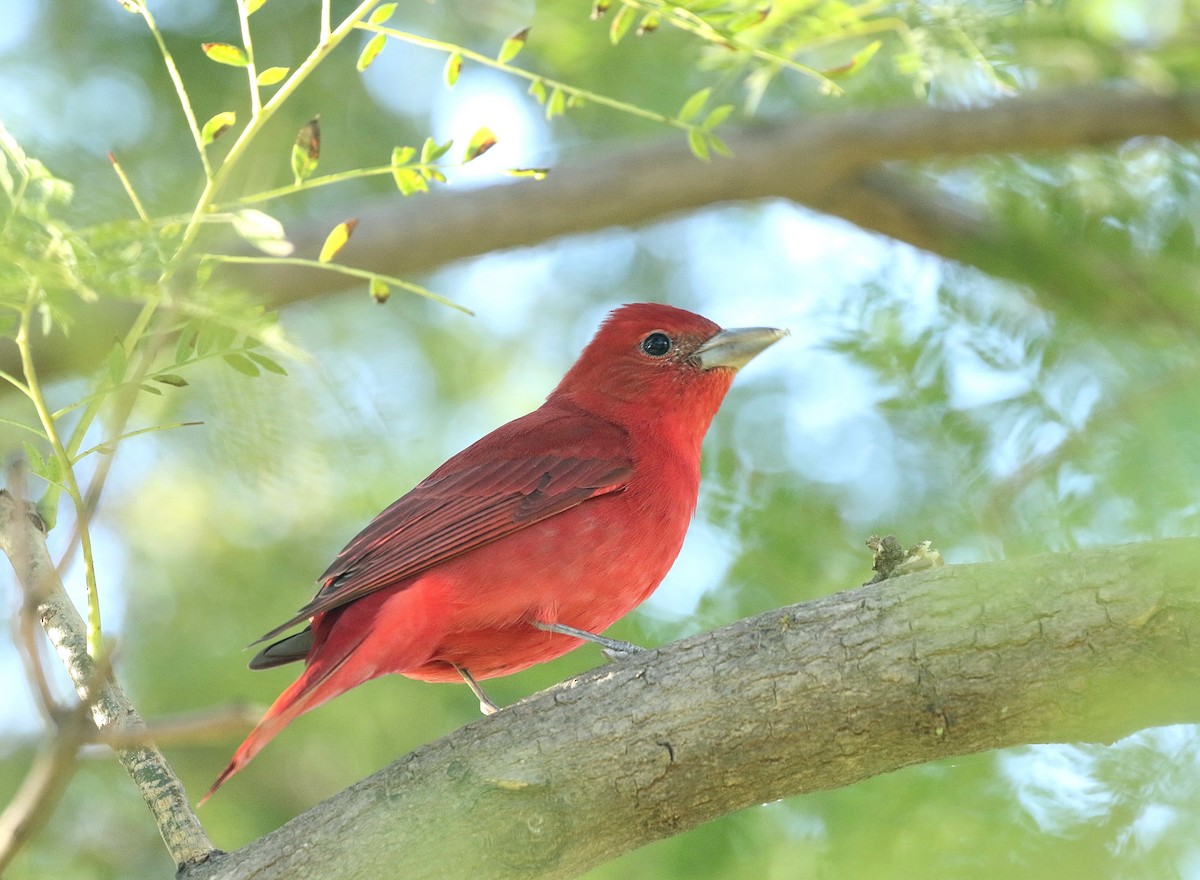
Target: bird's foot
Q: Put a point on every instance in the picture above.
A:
(486, 706)
(613, 649)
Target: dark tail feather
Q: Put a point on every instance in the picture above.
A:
(289, 650)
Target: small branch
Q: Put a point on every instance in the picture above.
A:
(22, 540)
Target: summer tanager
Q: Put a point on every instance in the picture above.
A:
(531, 540)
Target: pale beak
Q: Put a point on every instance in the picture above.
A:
(736, 348)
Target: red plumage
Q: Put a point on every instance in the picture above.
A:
(569, 515)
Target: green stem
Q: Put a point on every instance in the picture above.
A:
(341, 269)
(254, 126)
(95, 642)
(247, 44)
(180, 90)
(565, 88)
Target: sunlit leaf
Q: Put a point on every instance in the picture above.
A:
(692, 106)
(482, 141)
(263, 231)
(241, 363)
(273, 76)
(557, 105)
(698, 144)
(370, 51)
(149, 389)
(621, 24)
(452, 69)
(538, 89)
(409, 182)
(379, 291)
(225, 53)
(599, 8)
(252, 6)
(173, 379)
(535, 173)
(383, 13)
(716, 116)
(402, 156)
(512, 46)
(217, 126)
(431, 150)
(271, 366)
(336, 240)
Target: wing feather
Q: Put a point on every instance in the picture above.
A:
(468, 503)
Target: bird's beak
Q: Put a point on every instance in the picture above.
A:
(736, 348)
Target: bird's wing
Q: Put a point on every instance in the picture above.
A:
(457, 509)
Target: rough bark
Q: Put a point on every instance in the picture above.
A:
(23, 541)
(1087, 646)
(836, 164)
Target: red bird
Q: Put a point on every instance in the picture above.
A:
(531, 540)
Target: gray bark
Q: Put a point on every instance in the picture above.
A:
(1086, 646)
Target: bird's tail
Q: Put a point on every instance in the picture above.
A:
(319, 682)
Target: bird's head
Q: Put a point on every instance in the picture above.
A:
(653, 361)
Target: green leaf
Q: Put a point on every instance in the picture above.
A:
(452, 69)
(37, 464)
(379, 291)
(856, 63)
(242, 364)
(271, 366)
(599, 8)
(557, 105)
(336, 240)
(717, 145)
(409, 182)
(512, 46)
(482, 141)
(225, 53)
(149, 389)
(692, 106)
(252, 6)
(173, 379)
(698, 144)
(431, 150)
(402, 156)
(716, 116)
(535, 173)
(273, 76)
(370, 51)
(185, 347)
(621, 23)
(217, 126)
(538, 89)
(383, 13)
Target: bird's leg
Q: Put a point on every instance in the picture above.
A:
(613, 649)
(486, 706)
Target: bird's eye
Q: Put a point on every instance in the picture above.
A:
(656, 344)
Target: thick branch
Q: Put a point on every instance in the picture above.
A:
(1085, 646)
(830, 163)
(22, 540)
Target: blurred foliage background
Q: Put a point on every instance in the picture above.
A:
(915, 395)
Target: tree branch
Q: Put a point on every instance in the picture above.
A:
(23, 541)
(1083, 646)
(834, 164)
